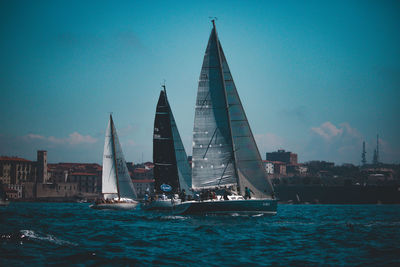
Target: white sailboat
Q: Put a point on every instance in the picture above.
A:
(117, 187)
(226, 165)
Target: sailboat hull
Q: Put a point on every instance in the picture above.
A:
(115, 206)
(251, 206)
(161, 205)
(4, 203)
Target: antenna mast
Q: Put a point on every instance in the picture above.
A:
(363, 158)
(377, 148)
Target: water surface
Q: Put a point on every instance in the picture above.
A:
(72, 233)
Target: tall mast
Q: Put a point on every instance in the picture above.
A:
(164, 88)
(165, 92)
(227, 105)
(114, 154)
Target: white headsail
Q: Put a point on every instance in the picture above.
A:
(116, 181)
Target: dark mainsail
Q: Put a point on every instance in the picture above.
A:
(169, 156)
(224, 149)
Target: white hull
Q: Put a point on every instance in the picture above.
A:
(115, 206)
(4, 202)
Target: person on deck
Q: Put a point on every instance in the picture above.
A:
(182, 195)
(247, 193)
(226, 194)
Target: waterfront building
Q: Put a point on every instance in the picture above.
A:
(269, 166)
(282, 156)
(16, 173)
(18, 189)
(142, 186)
(86, 181)
(143, 174)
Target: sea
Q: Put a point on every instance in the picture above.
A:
(72, 234)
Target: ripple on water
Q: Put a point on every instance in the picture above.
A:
(297, 235)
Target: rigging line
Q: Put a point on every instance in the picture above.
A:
(210, 142)
(220, 179)
(204, 100)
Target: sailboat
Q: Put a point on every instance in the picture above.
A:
(117, 187)
(172, 172)
(226, 163)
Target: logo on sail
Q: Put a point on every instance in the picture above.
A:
(166, 187)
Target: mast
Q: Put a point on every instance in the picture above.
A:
(227, 105)
(114, 154)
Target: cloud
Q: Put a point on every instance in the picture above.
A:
(75, 147)
(35, 136)
(328, 131)
(74, 138)
(339, 143)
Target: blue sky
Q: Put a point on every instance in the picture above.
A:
(315, 77)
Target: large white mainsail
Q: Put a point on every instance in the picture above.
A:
(212, 158)
(224, 149)
(116, 181)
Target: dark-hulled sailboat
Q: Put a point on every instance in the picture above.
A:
(225, 154)
(172, 172)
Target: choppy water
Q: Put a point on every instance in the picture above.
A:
(74, 234)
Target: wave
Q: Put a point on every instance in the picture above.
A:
(32, 235)
(182, 218)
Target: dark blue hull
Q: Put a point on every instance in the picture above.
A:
(251, 206)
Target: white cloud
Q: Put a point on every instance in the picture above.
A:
(339, 143)
(35, 136)
(327, 130)
(74, 138)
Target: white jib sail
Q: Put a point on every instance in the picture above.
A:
(114, 164)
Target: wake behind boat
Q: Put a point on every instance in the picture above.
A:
(225, 154)
(117, 188)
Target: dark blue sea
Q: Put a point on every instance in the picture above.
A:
(34, 234)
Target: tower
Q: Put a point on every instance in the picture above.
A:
(375, 159)
(41, 166)
(363, 158)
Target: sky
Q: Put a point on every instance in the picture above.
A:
(315, 77)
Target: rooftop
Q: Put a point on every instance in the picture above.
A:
(4, 158)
